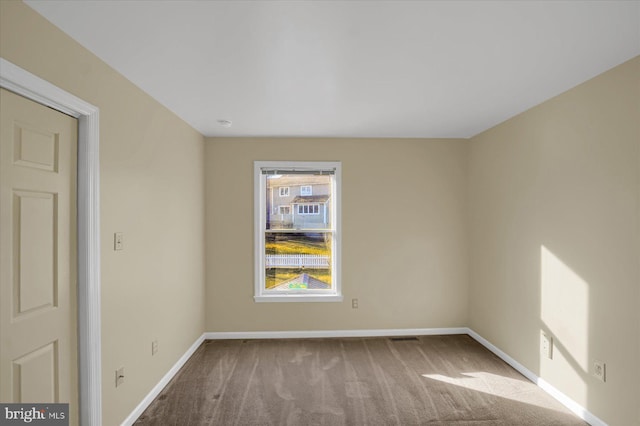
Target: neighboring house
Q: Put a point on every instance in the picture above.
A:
(298, 202)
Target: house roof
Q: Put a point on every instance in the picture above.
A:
(302, 281)
(303, 199)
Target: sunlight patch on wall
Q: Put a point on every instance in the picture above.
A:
(564, 310)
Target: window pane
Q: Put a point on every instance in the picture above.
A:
(308, 211)
(298, 261)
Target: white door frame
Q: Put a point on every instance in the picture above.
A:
(24, 83)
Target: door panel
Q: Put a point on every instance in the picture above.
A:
(34, 250)
(35, 375)
(35, 147)
(38, 327)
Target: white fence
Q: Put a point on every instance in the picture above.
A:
(296, 261)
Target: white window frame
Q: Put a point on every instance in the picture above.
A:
(280, 208)
(283, 191)
(260, 195)
(306, 190)
(310, 213)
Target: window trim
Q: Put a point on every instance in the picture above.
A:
(280, 191)
(262, 295)
(310, 192)
(310, 207)
(284, 206)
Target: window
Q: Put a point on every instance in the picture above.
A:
(284, 191)
(309, 209)
(305, 190)
(297, 253)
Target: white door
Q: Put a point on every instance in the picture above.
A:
(38, 309)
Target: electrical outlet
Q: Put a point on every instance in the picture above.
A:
(600, 370)
(354, 303)
(119, 376)
(546, 345)
(154, 347)
(118, 241)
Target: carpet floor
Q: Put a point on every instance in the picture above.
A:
(426, 380)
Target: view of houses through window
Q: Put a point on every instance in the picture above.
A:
(298, 231)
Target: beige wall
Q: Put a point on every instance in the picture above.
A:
(554, 217)
(152, 184)
(404, 234)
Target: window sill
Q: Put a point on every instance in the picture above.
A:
(299, 298)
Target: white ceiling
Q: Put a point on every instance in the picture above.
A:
(352, 68)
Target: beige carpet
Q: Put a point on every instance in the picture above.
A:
(428, 380)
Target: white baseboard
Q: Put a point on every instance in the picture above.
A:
(137, 412)
(576, 408)
(222, 335)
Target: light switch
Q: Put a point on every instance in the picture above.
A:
(119, 376)
(118, 241)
